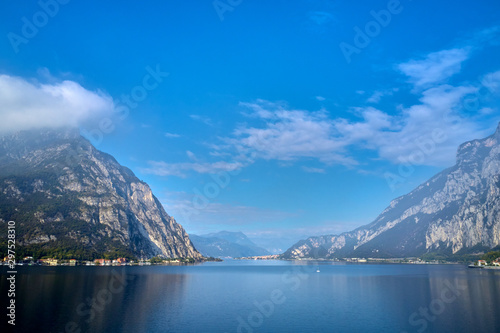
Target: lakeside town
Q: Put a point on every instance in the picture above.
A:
(495, 263)
(30, 261)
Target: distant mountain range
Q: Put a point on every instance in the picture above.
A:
(227, 244)
(455, 212)
(69, 199)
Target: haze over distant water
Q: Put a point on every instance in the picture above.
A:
(226, 244)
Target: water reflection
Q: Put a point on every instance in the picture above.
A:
(94, 299)
(225, 297)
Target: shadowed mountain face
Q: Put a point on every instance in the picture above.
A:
(227, 244)
(68, 198)
(457, 211)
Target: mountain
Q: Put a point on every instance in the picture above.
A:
(69, 199)
(227, 244)
(455, 212)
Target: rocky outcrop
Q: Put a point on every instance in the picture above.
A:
(456, 211)
(64, 193)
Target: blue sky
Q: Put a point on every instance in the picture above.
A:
(281, 119)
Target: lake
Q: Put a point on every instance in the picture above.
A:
(256, 296)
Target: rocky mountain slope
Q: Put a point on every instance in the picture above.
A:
(72, 200)
(455, 212)
(227, 244)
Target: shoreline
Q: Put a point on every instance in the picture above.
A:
(368, 262)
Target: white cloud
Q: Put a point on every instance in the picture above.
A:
(274, 131)
(486, 111)
(483, 38)
(435, 68)
(313, 170)
(320, 98)
(492, 82)
(191, 155)
(28, 104)
(372, 124)
(399, 137)
(207, 121)
(172, 135)
(291, 135)
(161, 168)
(377, 95)
(288, 135)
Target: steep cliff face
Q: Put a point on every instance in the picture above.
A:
(456, 211)
(63, 193)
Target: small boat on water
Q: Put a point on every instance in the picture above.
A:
(475, 266)
(317, 271)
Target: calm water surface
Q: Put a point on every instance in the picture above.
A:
(256, 296)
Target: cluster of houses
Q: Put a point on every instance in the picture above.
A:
(109, 262)
(495, 262)
(71, 262)
(96, 262)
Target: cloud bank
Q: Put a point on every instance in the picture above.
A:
(29, 104)
(435, 68)
(436, 114)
